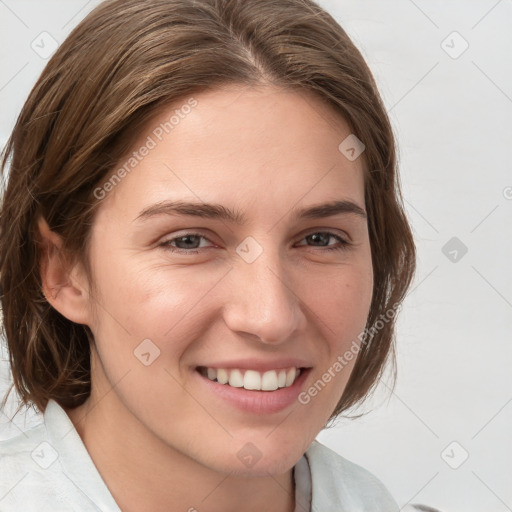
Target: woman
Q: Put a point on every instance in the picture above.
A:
(203, 250)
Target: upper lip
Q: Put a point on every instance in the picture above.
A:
(258, 364)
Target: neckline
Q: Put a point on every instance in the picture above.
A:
(83, 473)
(75, 459)
(303, 485)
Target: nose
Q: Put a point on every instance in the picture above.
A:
(262, 302)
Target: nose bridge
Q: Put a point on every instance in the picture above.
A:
(261, 300)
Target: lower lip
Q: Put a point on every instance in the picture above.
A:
(257, 402)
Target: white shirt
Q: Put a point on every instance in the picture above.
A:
(48, 469)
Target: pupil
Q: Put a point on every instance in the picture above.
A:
(189, 240)
(322, 237)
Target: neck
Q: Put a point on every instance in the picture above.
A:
(145, 474)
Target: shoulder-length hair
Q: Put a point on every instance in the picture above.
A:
(125, 62)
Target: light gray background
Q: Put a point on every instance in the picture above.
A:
(452, 118)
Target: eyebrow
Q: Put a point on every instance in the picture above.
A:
(218, 211)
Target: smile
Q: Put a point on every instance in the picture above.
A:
(253, 380)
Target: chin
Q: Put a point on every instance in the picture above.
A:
(254, 455)
(267, 465)
(267, 454)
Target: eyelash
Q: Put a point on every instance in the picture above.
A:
(167, 244)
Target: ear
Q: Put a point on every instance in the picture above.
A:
(64, 285)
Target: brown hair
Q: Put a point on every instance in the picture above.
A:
(117, 69)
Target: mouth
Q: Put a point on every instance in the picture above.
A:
(253, 386)
(253, 380)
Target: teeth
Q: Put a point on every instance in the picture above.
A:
(252, 379)
(291, 374)
(269, 381)
(222, 376)
(236, 379)
(281, 379)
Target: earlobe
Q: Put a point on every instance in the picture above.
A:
(63, 284)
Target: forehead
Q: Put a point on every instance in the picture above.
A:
(263, 146)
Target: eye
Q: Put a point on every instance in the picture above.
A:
(186, 243)
(321, 239)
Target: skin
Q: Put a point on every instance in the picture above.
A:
(158, 439)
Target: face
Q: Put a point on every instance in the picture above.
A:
(249, 283)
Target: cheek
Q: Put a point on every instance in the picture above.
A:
(149, 319)
(342, 309)
(155, 302)
(343, 304)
